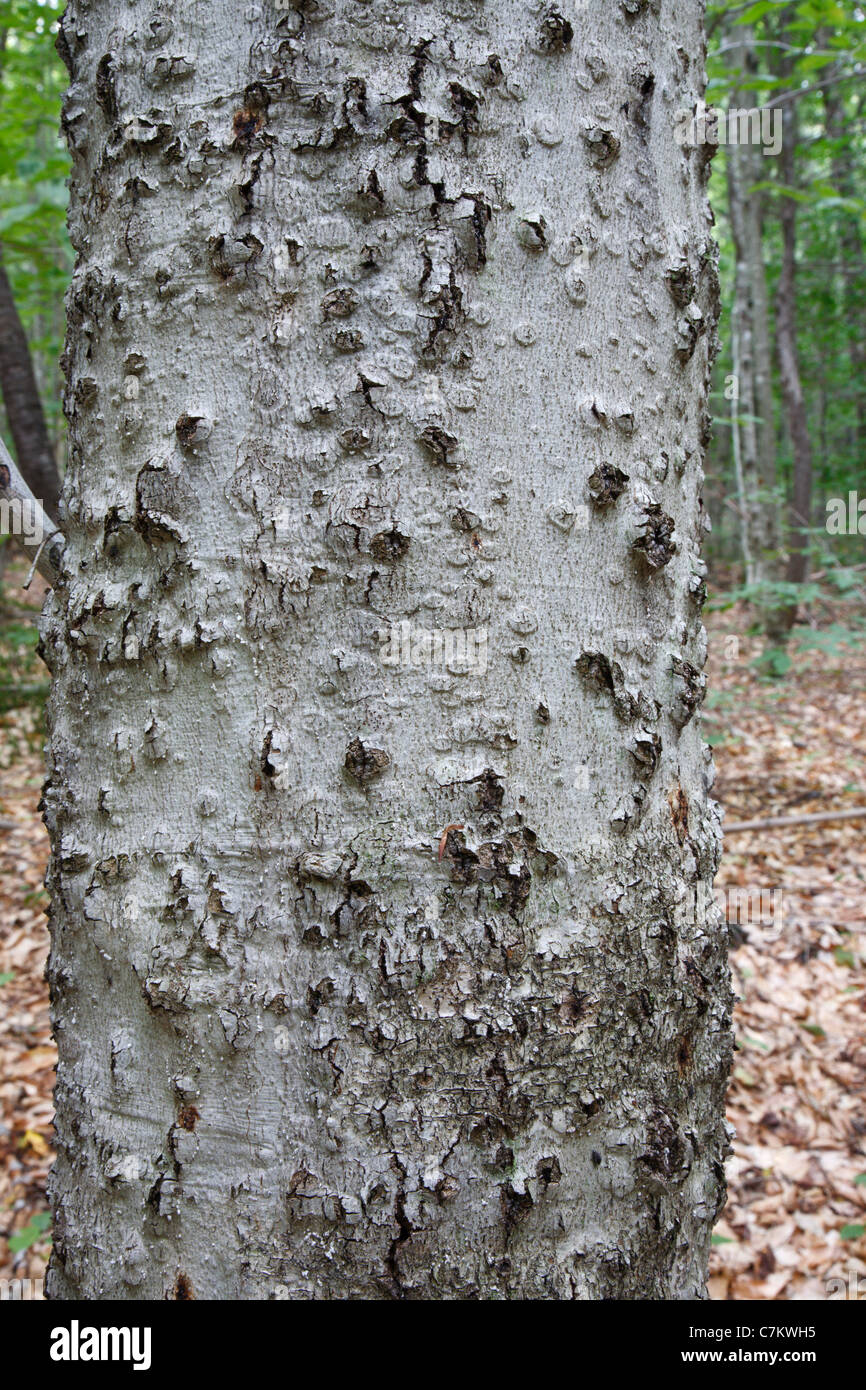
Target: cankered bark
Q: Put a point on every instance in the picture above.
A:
(384, 958)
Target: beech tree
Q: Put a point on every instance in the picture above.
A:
(385, 962)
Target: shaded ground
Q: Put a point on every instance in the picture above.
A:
(797, 1095)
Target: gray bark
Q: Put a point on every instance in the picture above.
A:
(372, 980)
(746, 166)
(789, 369)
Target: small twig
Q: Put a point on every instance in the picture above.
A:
(797, 92)
(822, 574)
(29, 580)
(773, 821)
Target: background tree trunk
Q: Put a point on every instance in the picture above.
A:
(853, 261)
(750, 324)
(384, 980)
(742, 427)
(789, 367)
(23, 406)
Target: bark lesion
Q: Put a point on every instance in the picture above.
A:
(364, 764)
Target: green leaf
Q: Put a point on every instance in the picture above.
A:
(850, 1232)
(844, 580)
(7, 977)
(775, 661)
(812, 62)
(781, 190)
(757, 11)
(34, 1231)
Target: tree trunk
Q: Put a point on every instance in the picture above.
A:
(381, 970)
(23, 406)
(853, 261)
(740, 434)
(789, 367)
(743, 408)
(750, 326)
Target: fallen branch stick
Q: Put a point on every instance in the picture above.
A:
(773, 821)
(822, 574)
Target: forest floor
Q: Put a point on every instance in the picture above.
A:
(795, 1216)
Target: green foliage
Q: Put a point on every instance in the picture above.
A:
(815, 1029)
(816, 49)
(32, 1233)
(844, 957)
(845, 581)
(34, 166)
(837, 640)
(23, 677)
(774, 662)
(767, 594)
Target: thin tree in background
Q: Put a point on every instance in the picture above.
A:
(20, 393)
(23, 405)
(796, 421)
(853, 259)
(750, 327)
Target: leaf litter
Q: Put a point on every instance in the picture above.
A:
(796, 1206)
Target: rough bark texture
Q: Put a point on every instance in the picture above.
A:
(384, 980)
(23, 406)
